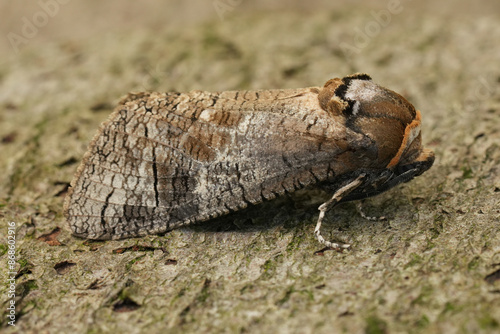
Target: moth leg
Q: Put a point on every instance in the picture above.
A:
(359, 208)
(325, 207)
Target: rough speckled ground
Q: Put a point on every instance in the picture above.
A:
(433, 266)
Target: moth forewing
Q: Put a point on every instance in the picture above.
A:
(164, 160)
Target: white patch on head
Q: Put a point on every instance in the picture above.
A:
(362, 90)
(355, 109)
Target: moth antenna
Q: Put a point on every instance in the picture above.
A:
(359, 208)
(328, 205)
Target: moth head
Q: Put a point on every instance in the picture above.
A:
(384, 116)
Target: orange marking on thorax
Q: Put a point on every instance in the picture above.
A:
(411, 132)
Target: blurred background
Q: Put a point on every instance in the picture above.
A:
(83, 20)
(90, 19)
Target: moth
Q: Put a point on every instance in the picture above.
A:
(165, 160)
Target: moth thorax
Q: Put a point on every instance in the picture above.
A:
(384, 116)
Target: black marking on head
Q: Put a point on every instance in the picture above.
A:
(359, 76)
(341, 90)
(348, 111)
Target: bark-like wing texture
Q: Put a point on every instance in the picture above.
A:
(165, 160)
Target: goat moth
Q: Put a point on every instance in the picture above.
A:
(165, 160)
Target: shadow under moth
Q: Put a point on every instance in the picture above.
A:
(165, 160)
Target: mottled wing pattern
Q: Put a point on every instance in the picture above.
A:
(165, 160)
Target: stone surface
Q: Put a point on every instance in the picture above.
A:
(431, 267)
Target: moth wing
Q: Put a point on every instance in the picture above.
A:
(166, 160)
